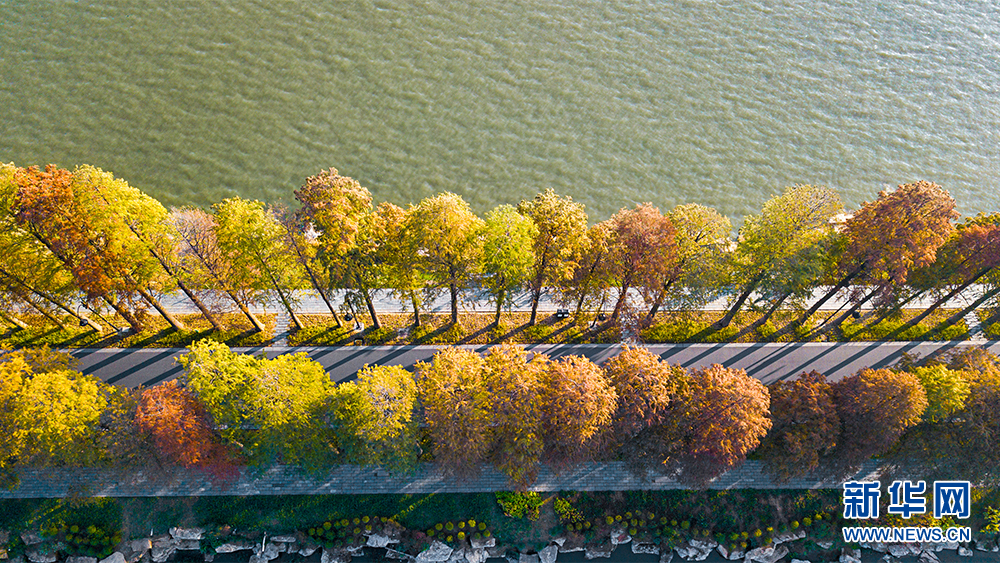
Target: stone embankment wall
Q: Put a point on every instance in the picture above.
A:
(193, 542)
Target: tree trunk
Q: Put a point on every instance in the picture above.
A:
(937, 304)
(416, 308)
(199, 304)
(496, 319)
(257, 325)
(315, 282)
(622, 297)
(731, 313)
(763, 319)
(453, 288)
(822, 301)
(959, 315)
(536, 296)
(658, 302)
(51, 299)
(45, 313)
(368, 302)
(174, 322)
(133, 322)
(11, 319)
(843, 317)
(895, 308)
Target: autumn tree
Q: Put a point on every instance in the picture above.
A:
(577, 403)
(702, 239)
(51, 412)
(643, 252)
(273, 410)
(206, 265)
(562, 227)
(252, 242)
(804, 426)
(374, 418)
(884, 241)
(142, 221)
(448, 239)
(399, 257)
(350, 233)
(513, 390)
(181, 429)
(302, 239)
(946, 391)
(593, 275)
(776, 248)
(724, 419)
(47, 208)
(651, 394)
(454, 396)
(507, 254)
(875, 408)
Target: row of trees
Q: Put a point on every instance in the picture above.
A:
(506, 408)
(64, 234)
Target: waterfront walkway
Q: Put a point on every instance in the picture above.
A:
(349, 479)
(132, 367)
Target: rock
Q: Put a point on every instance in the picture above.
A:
(483, 543)
(163, 548)
(964, 551)
(17, 559)
(801, 561)
(559, 541)
(495, 551)
(80, 559)
(457, 556)
(981, 545)
(548, 554)
(284, 539)
(928, 557)
(528, 558)
(768, 554)
(789, 536)
(848, 555)
(737, 554)
(475, 556)
(620, 538)
(593, 552)
(307, 549)
(879, 547)
(647, 548)
(141, 545)
(4, 536)
(437, 552)
(666, 556)
(238, 545)
(380, 540)
(335, 556)
(187, 533)
(189, 545)
(949, 545)
(269, 552)
(902, 549)
(31, 537)
(696, 550)
(398, 555)
(115, 557)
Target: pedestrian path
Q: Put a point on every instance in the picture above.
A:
(351, 479)
(282, 322)
(976, 332)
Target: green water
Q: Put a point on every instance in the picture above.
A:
(612, 102)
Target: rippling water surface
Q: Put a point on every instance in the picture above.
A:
(612, 102)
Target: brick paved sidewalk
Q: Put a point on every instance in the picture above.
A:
(348, 479)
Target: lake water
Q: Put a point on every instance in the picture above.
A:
(612, 102)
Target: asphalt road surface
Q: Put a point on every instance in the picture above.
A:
(767, 362)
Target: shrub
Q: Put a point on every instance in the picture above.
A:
(520, 505)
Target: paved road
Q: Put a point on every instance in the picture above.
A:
(767, 362)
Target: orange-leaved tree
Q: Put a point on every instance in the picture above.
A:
(181, 429)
